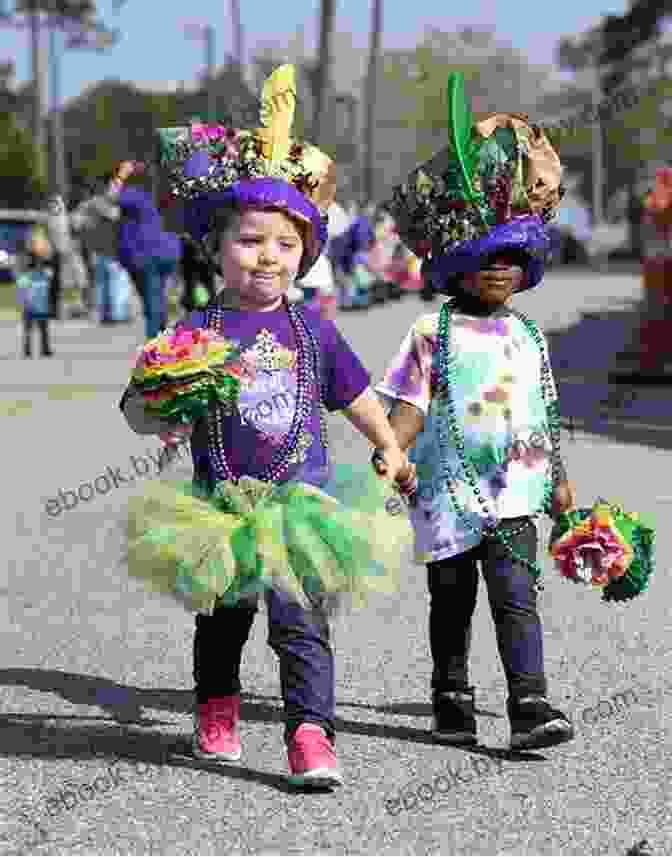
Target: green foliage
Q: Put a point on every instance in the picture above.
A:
(116, 121)
(21, 184)
(422, 92)
(625, 133)
(624, 118)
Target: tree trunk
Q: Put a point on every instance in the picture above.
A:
(39, 87)
(238, 49)
(324, 64)
(371, 90)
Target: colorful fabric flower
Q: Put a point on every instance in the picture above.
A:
(606, 547)
(184, 369)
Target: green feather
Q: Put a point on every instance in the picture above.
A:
(464, 148)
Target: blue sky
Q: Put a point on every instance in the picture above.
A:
(154, 48)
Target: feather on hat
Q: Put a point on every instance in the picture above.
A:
(210, 166)
(494, 186)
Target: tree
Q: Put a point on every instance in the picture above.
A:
(623, 35)
(497, 78)
(632, 132)
(21, 186)
(115, 120)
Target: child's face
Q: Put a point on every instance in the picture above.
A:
(260, 255)
(494, 284)
(40, 247)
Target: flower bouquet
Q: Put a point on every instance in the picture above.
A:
(606, 547)
(182, 371)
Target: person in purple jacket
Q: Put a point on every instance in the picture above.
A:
(350, 254)
(148, 253)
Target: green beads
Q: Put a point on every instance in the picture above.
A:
(447, 363)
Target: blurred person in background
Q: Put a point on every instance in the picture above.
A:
(37, 282)
(349, 255)
(381, 256)
(148, 253)
(95, 222)
(65, 246)
(655, 332)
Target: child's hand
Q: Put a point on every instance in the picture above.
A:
(394, 464)
(407, 480)
(564, 499)
(126, 169)
(177, 435)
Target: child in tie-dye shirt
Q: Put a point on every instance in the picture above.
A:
(500, 409)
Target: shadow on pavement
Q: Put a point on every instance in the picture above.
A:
(59, 736)
(584, 358)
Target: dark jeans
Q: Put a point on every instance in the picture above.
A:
(453, 584)
(300, 639)
(150, 282)
(43, 326)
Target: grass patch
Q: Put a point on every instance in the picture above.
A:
(15, 407)
(65, 392)
(54, 393)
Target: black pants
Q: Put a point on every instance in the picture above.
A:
(300, 639)
(43, 326)
(453, 585)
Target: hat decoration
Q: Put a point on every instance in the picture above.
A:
(494, 186)
(209, 166)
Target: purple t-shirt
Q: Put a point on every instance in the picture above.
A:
(266, 407)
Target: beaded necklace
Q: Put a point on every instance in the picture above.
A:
(447, 375)
(308, 370)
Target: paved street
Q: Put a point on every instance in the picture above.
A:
(95, 674)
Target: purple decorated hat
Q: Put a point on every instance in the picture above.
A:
(210, 167)
(494, 187)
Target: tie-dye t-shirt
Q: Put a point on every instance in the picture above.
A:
(499, 404)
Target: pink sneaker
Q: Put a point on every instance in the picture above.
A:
(216, 735)
(312, 760)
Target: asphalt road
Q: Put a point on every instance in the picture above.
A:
(95, 674)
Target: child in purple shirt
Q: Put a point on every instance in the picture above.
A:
(262, 232)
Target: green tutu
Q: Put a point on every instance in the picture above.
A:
(205, 548)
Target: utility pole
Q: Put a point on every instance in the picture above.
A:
(371, 91)
(39, 87)
(206, 34)
(597, 144)
(238, 45)
(59, 176)
(324, 62)
(210, 70)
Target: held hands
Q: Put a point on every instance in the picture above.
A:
(176, 435)
(126, 169)
(393, 464)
